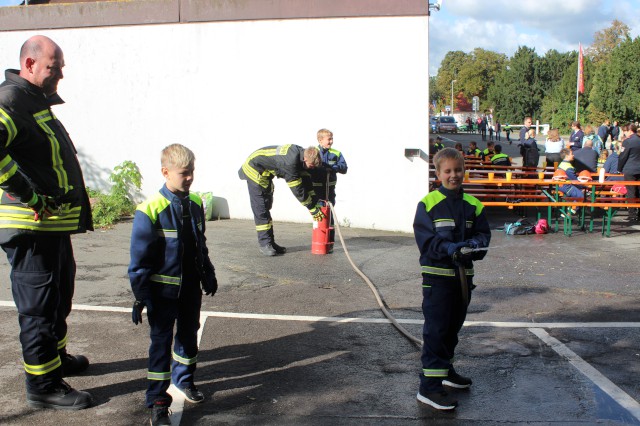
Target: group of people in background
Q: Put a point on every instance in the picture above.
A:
(611, 147)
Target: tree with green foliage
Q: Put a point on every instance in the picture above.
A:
(616, 92)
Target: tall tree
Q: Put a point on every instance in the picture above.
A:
(518, 91)
(604, 41)
(616, 92)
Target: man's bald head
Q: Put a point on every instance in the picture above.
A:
(41, 62)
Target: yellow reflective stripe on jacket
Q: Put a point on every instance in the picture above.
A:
(39, 370)
(163, 375)
(295, 182)
(445, 272)
(62, 343)
(165, 279)
(16, 217)
(253, 175)
(154, 206)
(444, 223)
(283, 149)
(42, 118)
(9, 125)
(8, 168)
(185, 361)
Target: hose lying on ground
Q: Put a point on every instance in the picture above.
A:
(373, 288)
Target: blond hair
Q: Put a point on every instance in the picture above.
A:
(312, 155)
(553, 135)
(177, 156)
(447, 154)
(588, 129)
(322, 133)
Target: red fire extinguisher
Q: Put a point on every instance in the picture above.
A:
(321, 236)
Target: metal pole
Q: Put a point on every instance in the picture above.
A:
(452, 81)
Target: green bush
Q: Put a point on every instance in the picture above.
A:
(108, 208)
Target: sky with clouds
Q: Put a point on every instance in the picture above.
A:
(504, 25)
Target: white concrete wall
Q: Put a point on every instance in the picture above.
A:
(225, 89)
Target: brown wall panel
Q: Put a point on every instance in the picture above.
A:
(237, 10)
(135, 12)
(89, 14)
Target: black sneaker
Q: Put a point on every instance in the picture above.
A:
(73, 364)
(454, 380)
(160, 414)
(279, 249)
(192, 394)
(60, 397)
(439, 400)
(268, 250)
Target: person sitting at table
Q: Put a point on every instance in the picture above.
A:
(473, 150)
(611, 165)
(552, 147)
(458, 147)
(586, 158)
(488, 152)
(500, 159)
(569, 189)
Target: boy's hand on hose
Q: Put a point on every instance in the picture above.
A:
(452, 248)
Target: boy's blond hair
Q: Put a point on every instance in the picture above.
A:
(177, 156)
(447, 154)
(322, 133)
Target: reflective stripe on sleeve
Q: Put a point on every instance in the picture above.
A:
(165, 279)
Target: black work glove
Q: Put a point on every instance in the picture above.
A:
(136, 312)
(210, 285)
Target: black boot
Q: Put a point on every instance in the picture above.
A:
(60, 397)
(73, 364)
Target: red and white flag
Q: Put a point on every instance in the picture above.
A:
(580, 71)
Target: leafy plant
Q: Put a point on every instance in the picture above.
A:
(120, 201)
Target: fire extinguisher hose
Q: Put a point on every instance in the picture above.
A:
(373, 288)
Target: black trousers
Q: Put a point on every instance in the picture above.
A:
(42, 282)
(444, 314)
(633, 191)
(261, 202)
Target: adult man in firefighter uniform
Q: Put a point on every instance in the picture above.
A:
(288, 162)
(43, 201)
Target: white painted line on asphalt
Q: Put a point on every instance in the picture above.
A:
(306, 318)
(607, 386)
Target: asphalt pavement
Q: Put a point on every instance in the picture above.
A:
(551, 336)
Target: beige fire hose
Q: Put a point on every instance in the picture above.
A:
(373, 288)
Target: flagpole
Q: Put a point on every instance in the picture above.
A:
(578, 83)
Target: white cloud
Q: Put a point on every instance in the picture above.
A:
(504, 25)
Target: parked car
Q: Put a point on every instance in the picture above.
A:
(432, 123)
(446, 124)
